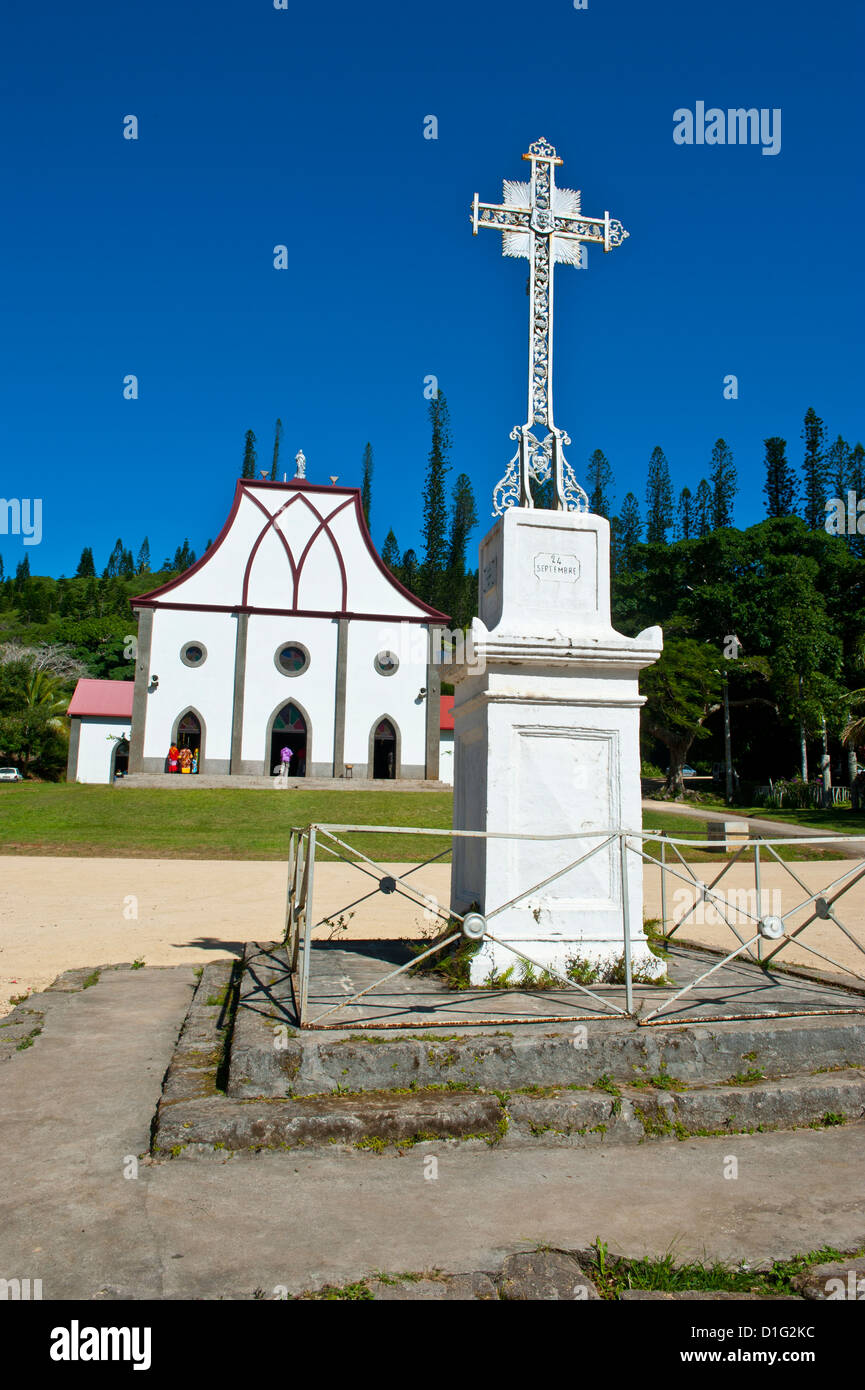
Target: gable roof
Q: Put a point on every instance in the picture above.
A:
(110, 699)
(293, 548)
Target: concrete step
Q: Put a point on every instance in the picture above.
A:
(172, 781)
(196, 1116)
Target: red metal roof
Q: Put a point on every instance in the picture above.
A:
(446, 714)
(106, 698)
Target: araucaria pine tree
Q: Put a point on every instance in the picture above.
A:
(366, 483)
(724, 484)
(142, 564)
(390, 551)
(703, 508)
(600, 484)
(249, 456)
(86, 567)
(814, 470)
(458, 600)
(277, 438)
(780, 485)
(435, 514)
(838, 468)
(659, 499)
(685, 521)
(856, 476)
(628, 530)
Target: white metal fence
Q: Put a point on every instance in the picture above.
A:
(761, 935)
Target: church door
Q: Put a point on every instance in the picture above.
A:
(189, 738)
(384, 751)
(120, 759)
(289, 731)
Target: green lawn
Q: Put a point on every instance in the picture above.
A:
(839, 820)
(108, 822)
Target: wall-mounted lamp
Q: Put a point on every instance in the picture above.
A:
(154, 683)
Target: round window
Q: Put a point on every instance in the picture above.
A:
(291, 659)
(193, 654)
(387, 663)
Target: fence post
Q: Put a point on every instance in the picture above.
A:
(626, 923)
(307, 926)
(758, 890)
(663, 882)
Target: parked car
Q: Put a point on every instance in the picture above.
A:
(10, 774)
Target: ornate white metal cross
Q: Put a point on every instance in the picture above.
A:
(543, 224)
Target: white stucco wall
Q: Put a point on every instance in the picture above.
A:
(268, 689)
(371, 696)
(446, 756)
(207, 688)
(96, 747)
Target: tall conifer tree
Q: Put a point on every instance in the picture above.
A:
(600, 484)
(814, 470)
(659, 499)
(464, 516)
(780, 485)
(366, 483)
(249, 455)
(628, 530)
(277, 440)
(86, 566)
(703, 508)
(685, 521)
(724, 484)
(390, 551)
(435, 506)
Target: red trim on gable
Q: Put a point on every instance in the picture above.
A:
(208, 555)
(391, 579)
(287, 612)
(323, 526)
(296, 486)
(271, 522)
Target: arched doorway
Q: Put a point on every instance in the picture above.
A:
(188, 736)
(385, 759)
(289, 730)
(120, 759)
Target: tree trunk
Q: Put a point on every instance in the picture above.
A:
(674, 786)
(803, 751)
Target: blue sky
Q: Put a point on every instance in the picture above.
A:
(304, 127)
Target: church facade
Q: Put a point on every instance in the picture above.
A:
(288, 644)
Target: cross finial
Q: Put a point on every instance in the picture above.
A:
(544, 224)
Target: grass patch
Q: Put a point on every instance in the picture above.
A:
(746, 1078)
(29, 1040)
(71, 818)
(613, 1276)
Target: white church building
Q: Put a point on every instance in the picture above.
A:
(289, 633)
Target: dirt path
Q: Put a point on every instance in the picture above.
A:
(61, 914)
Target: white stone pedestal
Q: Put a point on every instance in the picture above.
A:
(546, 734)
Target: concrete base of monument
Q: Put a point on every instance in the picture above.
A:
(585, 959)
(466, 1066)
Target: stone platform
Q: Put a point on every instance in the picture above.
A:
(244, 1077)
(206, 780)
